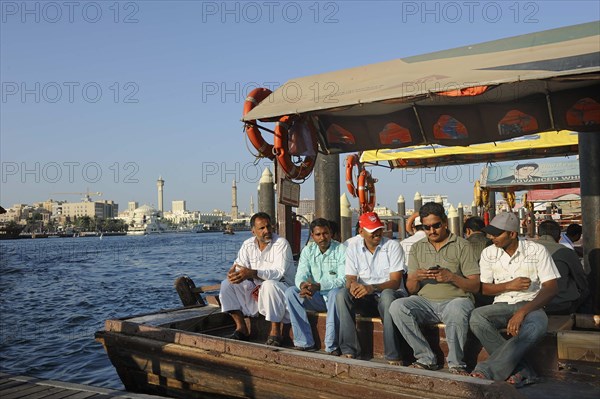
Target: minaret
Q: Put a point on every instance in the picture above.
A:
(234, 207)
(251, 205)
(159, 184)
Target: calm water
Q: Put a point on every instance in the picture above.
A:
(55, 293)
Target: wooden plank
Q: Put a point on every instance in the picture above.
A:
(24, 393)
(579, 345)
(45, 394)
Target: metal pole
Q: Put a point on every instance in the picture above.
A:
(346, 218)
(402, 219)
(284, 213)
(327, 187)
(492, 210)
(589, 165)
(474, 210)
(461, 219)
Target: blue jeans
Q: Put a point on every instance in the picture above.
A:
(347, 307)
(301, 327)
(409, 313)
(506, 355)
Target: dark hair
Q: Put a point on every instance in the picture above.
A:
(524, 165)
(320, 222)
(474, 223)
(259, 215)
(573, 230)
(433, 208)
(549, 228)
(334, 227)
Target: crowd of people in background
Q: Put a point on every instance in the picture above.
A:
(488, 280)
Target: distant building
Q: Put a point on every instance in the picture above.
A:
(306, 208)
(100, 209)
(132, 206)
(178, 207)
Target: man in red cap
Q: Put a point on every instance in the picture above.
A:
(374, 270)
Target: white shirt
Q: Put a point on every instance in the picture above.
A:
(408, 242)
(275, 262)
(530, 260)
(374, 268)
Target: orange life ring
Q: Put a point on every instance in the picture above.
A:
(281, 148)
(351, 161)
(366, 191)
(254, 98)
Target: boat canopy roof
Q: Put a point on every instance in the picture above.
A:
(539, 145)
(481, 93)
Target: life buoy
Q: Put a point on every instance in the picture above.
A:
(281, 148)
(352, 161)
(254, 98)
(366, 191)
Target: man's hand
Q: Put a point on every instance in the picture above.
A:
(308, 288)
(358, 290)
(519, 284)
(443, 275)
(238, 274)
(514, 324)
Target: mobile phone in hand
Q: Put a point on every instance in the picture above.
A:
(436, 267)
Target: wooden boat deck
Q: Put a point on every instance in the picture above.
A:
(14, 387)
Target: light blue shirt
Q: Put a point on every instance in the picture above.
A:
(326, 268)
(374, 268)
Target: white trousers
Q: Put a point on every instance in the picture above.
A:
(271, 299)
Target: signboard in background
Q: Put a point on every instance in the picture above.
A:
(527, 174)
(289, 193)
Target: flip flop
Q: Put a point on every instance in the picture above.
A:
(458, 370)
(518, 380)
(238, 336)
(478, 374)
(423, 366)
(274, 340)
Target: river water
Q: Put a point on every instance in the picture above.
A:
(55, 293)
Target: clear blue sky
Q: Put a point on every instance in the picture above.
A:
(110, 95)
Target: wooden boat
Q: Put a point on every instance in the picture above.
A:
(184, 353)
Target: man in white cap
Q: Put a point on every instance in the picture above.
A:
(418, 235)
(523, 278)
(374, 271)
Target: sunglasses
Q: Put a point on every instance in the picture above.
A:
(434, 226)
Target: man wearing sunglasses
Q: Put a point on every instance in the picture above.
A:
(523, 278)
(443, 274)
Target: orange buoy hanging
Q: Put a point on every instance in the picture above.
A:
(282, 152)
(254, 98)
(366, 191)
(352, 161)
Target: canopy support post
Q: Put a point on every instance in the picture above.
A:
(327, 187)
(589, 165)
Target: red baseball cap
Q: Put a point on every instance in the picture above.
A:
(370, 222)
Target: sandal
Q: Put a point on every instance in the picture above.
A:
(348, 356)
(394, 362)
(274, 340)
(239, 336)
(423, 366)
(478, 374)
(518, 380)
(458, 370)
(335, 352)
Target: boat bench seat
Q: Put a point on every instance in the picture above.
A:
(544, 356)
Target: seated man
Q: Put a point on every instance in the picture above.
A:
(319, 277)
(444, 274)
(572, 284)
(477, 238)
(523, 277)
(257, 281)
(572, 235)
(374, 268)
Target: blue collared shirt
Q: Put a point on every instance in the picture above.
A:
(327, 268)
